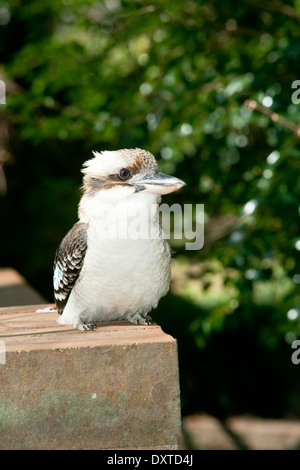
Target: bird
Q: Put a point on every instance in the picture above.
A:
(115, 262)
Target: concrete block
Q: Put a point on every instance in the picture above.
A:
(116, 387)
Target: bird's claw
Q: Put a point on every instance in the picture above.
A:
(138, 319)
(89, 326)
(149, 320)
(82, 326)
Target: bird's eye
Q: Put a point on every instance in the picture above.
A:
(125, 174)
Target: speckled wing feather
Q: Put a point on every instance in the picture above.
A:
(68, 263)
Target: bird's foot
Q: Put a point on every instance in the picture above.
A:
(149, 320)
(88, 326)
(82, 326)
(138, 319)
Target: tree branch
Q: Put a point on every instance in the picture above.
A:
(255, 106)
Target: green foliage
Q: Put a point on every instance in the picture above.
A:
(171, 77)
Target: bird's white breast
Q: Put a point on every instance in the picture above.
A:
(120, 276)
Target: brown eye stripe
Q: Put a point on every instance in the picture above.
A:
(93, 184)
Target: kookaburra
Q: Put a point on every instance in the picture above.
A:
(102, 272)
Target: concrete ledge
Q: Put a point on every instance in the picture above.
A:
(112, 388)
(14, 290)
(205, 432)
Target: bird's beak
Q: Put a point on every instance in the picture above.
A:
(159, 183)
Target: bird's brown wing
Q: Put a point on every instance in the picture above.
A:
(68, 263)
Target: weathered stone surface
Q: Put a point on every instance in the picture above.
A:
(114, 387)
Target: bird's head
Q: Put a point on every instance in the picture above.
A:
(122, 173)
